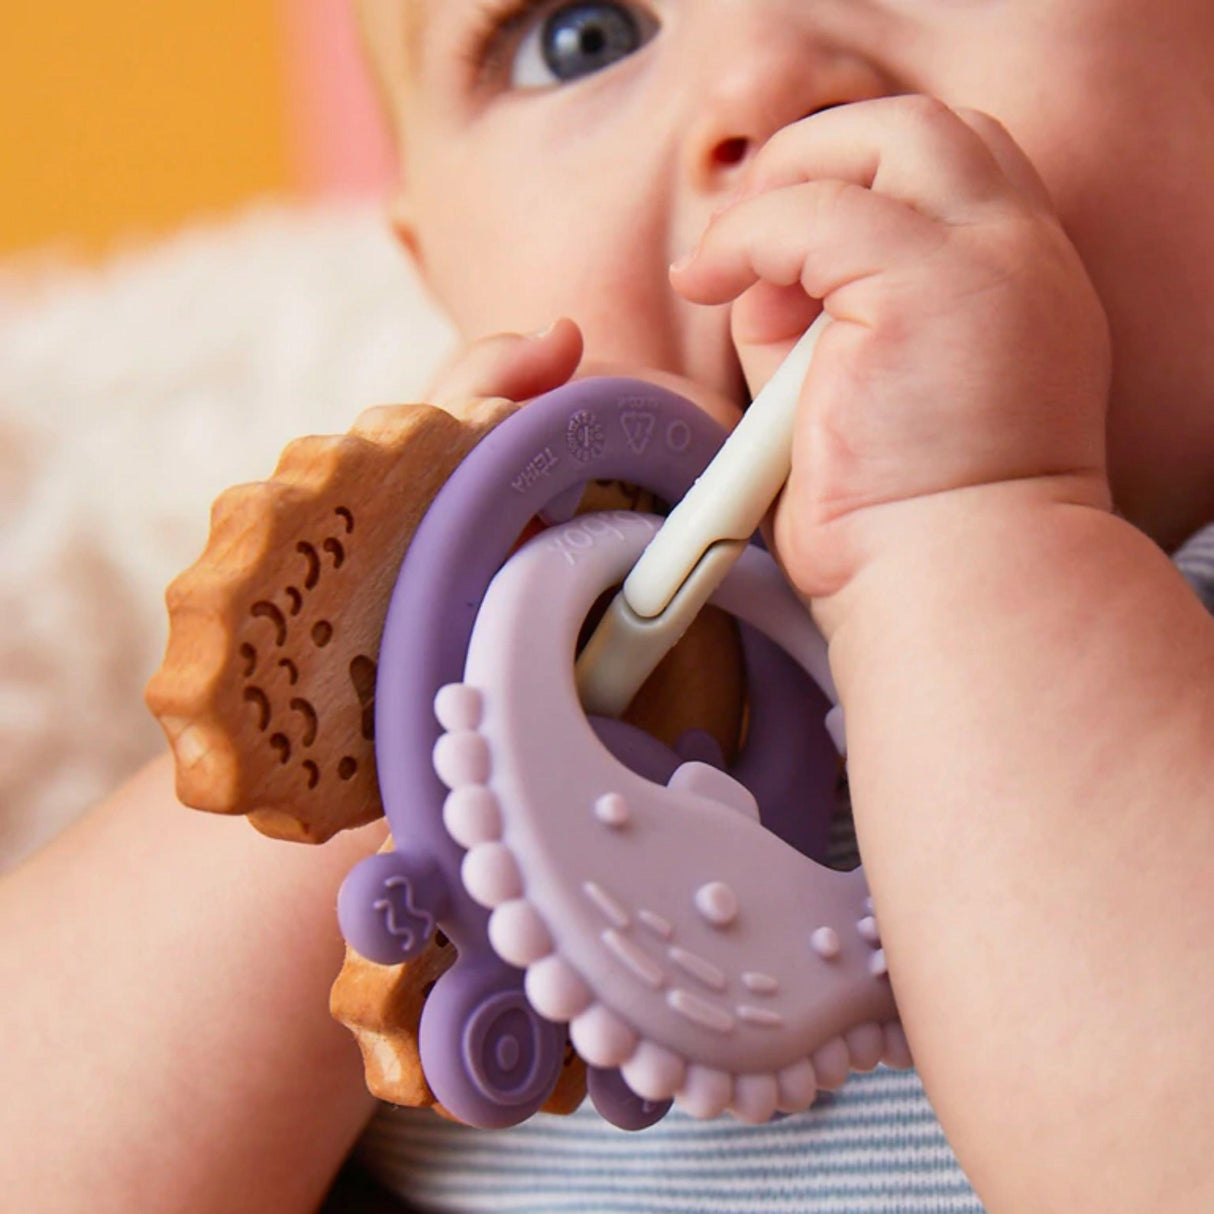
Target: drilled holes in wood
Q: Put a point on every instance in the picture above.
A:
(265, 610)
(310, 723)
(312, 560)
(301, 727)
(260, 701)
(362, 676)
(335, 550)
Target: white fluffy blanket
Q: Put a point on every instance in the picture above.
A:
(130, 396)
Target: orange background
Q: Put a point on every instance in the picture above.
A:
(124, 118)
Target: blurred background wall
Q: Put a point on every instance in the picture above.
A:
(125, 118)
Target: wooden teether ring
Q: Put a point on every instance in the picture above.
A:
(603, 429)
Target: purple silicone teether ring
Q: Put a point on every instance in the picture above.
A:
(602, 429)
(684, 943)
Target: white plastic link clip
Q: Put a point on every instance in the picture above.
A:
(695, 547)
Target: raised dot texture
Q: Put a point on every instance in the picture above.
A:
(709, 974)
(601, 1037)
(760, 984)
(754, 1098)
(762, 1017)
(656, 923)
(490, 874)
(797, 1085)
(555, 990)
(700, 1011)
(459, 707)
(461, 758)
(654, 1072)
(612, 810)
(867, 927)
(706, 1092)
(831, 1062)
(717, 903)
(865, 1044)
(608, 906)
(518, 934)
(825, 942)
(634, 958)
(471, 815)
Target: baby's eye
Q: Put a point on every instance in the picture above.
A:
(578, 39)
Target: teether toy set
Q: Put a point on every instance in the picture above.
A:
(565, 886)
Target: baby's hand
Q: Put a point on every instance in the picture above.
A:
(968, 346)
(507, 364)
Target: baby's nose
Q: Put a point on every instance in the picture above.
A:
(763, 83)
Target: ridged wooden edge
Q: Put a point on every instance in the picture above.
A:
(265, 691)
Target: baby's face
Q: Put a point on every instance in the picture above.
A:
(557, 156)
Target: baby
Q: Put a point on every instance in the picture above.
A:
(1008, 424)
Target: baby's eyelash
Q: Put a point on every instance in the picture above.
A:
(486, 46)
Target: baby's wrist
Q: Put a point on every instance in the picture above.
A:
(929, 544)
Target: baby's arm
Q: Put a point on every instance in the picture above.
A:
(167, 1039)
(168, 1044)
(1028, 684)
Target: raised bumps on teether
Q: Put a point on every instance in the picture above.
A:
(659, 922)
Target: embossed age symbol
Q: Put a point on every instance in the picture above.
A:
(584, 436)
(678, 437)
(638, 429)
(402, 920)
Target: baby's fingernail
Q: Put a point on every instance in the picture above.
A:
(540, 334)
(683, 262)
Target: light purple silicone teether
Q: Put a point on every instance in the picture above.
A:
(684, 943)
(490, 1059)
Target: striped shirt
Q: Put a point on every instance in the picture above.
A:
(874, 1147)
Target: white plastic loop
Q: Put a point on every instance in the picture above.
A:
(702, 537)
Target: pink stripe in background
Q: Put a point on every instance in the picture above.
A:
(340, 141)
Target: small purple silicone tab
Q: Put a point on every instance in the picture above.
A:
(487, 1048)
(389, 904)
(619, 1104)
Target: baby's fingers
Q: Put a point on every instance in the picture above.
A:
(948, 164)
(508, 364)
(822, 235)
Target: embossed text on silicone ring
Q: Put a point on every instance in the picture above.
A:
(582, 536)
(535, 470)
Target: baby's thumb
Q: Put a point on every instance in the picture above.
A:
(508, 364)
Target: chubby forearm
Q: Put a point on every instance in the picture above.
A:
(1029, 695)
(168, 1043)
